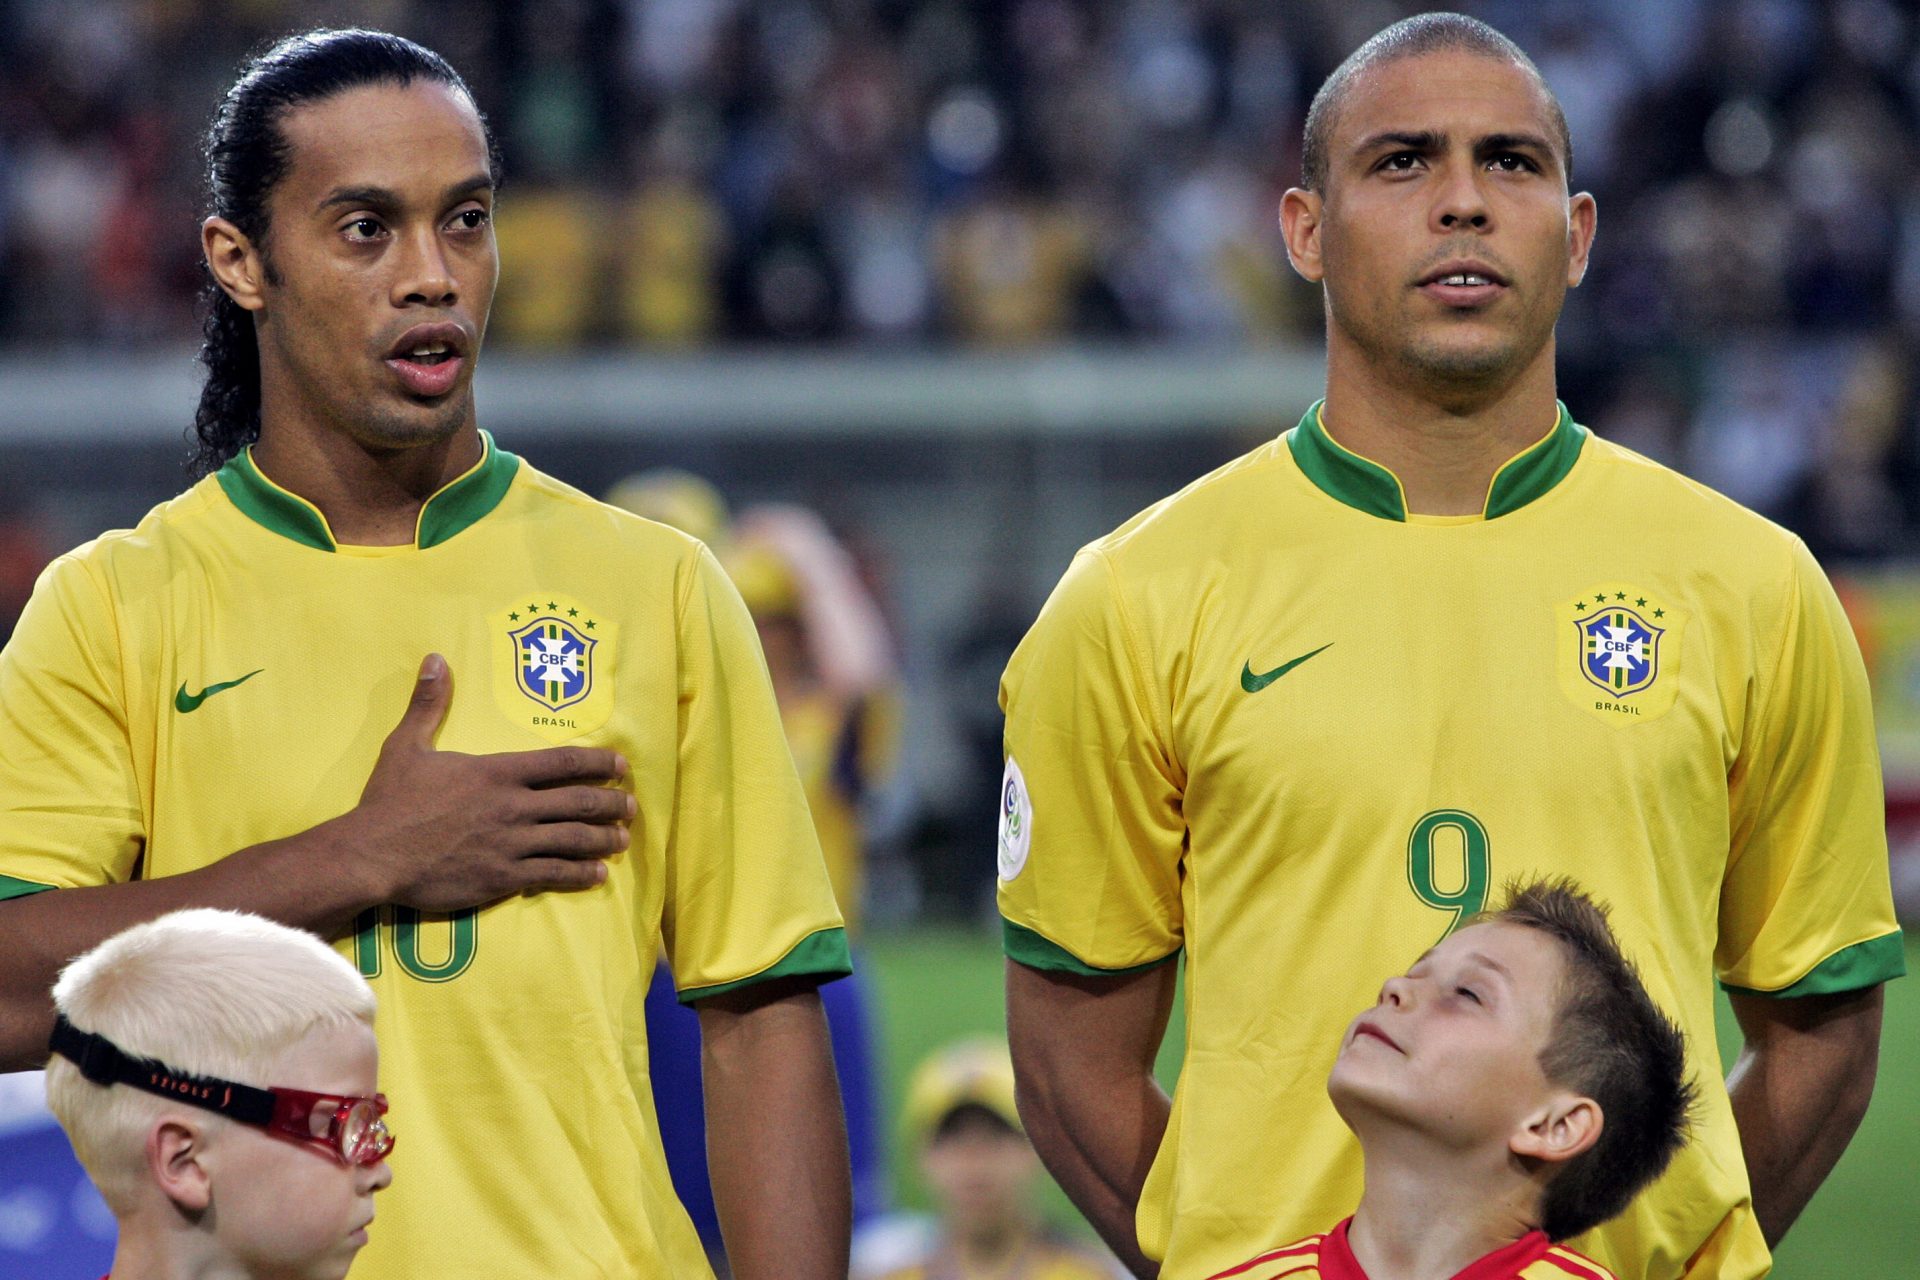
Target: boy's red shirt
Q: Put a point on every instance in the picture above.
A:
(1330, 1257)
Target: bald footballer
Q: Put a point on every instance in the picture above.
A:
(1293, 721)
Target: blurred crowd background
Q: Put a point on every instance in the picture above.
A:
(701, 178)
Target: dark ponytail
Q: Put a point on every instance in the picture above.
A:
(247, 155)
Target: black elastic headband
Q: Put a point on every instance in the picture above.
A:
(105, 1063)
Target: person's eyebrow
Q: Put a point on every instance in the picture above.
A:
(384, 199)
(1495, 143)
(1424, 141)
(1482, 958)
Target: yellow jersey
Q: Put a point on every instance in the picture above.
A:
(225, 673)
(1279, 723)
(1330, 1257)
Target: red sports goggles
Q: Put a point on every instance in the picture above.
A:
(351, 1130)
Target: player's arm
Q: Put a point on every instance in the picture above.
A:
(1807, 931)
(750, 928)
(1800, 1088)
(1083, 1050)
(1091, 838)
(436, 830)
(776, 1139)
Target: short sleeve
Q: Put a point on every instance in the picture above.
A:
(1091, 830)
(747, 892)
(70, 812)
(1807, 908)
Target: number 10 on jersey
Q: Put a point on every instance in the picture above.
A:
(404, 927)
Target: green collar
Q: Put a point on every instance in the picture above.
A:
(1367, 486)
(457, 504)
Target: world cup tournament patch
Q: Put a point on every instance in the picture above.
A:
(554, 671)
(1016, 822)
(1619, 652)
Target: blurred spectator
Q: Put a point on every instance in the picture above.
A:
(984, 1176)
(1012, 268)
(555, 239)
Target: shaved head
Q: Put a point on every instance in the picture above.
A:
(1409, 38)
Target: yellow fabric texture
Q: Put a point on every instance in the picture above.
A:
(1303, 836)
(513, 1043)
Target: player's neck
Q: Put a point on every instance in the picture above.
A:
(369, 498)
(1428, 1212)
(1444, 447)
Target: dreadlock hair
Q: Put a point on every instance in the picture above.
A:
(247, 155)
(1612, 1043)
(1409, 38)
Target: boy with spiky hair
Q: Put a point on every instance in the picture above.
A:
(1516, 1087)
(216, 1074)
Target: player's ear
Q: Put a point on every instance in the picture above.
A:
(1300, 225)
(176, 1161)
(1565, 1126)
(238, 266)
(1583, 217)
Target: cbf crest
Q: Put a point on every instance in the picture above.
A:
(1619, 652)
(555, 662)
(554, 669)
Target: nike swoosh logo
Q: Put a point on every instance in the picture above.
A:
(184, 701)
(1255, 683)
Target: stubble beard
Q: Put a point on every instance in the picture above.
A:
(1449, 372)
(388, 428)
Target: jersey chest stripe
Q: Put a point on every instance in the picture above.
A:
(1574, 1265)
(1311, 1246)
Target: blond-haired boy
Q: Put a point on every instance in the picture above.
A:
(216, 1074)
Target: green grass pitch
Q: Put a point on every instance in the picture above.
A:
(938, 984)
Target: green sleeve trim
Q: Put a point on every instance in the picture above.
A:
(1035, 952)
(822, 954)
(12, 888)
(1855, 968)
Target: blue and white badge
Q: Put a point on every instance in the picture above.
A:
(1619, 650)
(553, 662)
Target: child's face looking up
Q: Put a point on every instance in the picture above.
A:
(1452, 1048)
